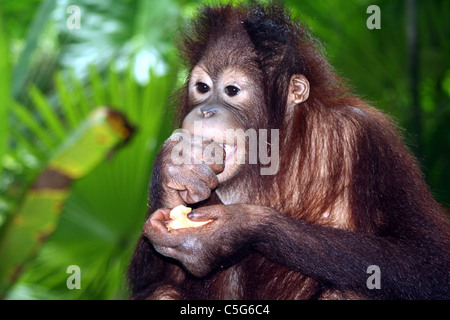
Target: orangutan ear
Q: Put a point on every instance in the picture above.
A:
(298, 90)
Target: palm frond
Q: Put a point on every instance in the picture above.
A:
(36, 216)
(103, 215)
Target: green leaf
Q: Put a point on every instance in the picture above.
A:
(97, 86)
(87, 146)
(28, 119)
(4, 90)
(40, 20)
(67, 101)
(37, 215)
(48, 114)
(103, 215)
(79, 94)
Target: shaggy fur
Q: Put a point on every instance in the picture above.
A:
(352, 191)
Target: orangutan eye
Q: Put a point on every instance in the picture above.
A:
(202, 87)
(231, 90)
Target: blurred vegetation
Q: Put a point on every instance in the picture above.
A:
(123, 56)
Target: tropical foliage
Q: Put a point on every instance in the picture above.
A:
(52, 76)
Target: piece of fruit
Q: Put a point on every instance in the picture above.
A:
(180, 219)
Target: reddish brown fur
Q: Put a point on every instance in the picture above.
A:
(343, 163)
(343, 122)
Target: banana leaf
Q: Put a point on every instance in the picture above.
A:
(37, 215)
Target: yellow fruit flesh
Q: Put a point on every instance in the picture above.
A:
(180, 219)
